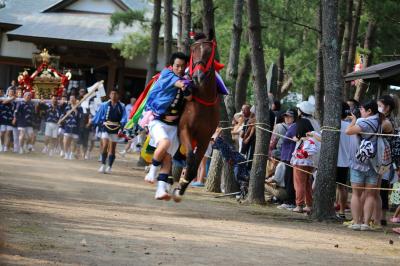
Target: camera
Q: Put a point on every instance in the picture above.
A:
(347, 112)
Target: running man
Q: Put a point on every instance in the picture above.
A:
(110, 118)
(166, 102)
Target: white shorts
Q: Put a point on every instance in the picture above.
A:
(4, 128)
(51, 130)
(112, 137)
(74, 136)
(27, 130)
(61, 131)
(159, 131)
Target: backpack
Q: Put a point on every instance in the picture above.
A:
(383, 158)
(366, 150)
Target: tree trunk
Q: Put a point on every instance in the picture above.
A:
(353, 43)
(368, 45)
(319, 78)
(258, 170)
(167, 30)
(241, 83)
(281, 57)
(180, 25)
(186, 24)
(234, 53)
(208, 16)
(213, 182)
(347, 36)
(324, 195)
(155, 35)
(341, 25)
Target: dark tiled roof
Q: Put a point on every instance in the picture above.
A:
(387, 70)
(62, 26)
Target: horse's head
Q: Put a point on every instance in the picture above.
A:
(202, 54)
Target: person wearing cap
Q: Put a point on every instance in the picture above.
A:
(287, 147)
(110, 118)
(280, 129)
(306, 110)
(23, 119)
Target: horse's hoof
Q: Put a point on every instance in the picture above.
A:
(176, 196)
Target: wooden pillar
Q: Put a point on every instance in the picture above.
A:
(120, 82)
(112, 73)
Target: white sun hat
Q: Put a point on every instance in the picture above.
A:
(306, 107)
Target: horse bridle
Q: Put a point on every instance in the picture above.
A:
(205, 68)
(200, 65)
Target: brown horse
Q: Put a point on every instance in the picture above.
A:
(200, 117)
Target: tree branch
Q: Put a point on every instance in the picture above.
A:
(293, 22)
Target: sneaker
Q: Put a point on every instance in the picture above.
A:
(355, 227)
(5, 149)
(152, 175)
(285, 206)
(108, 170)
(307, 209)
(365, 227)
(298, 209)
(341, 216)
(1, 148)
(162, 192)
(30, 148)
(71, 156)
(51, 152)
(21, 151)
(87, 156)
(45, 150)
(66, 156)
(122, 153)
(102, 169)
(348, 223)
(61, 153)
(197, 184)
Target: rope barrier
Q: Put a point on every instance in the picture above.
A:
(310, 173)
(324, 128)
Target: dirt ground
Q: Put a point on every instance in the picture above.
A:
(57, 212)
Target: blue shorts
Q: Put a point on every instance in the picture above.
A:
(357, 177)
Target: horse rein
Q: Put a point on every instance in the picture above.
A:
(199, 65)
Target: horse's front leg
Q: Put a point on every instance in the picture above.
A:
(193, 159)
